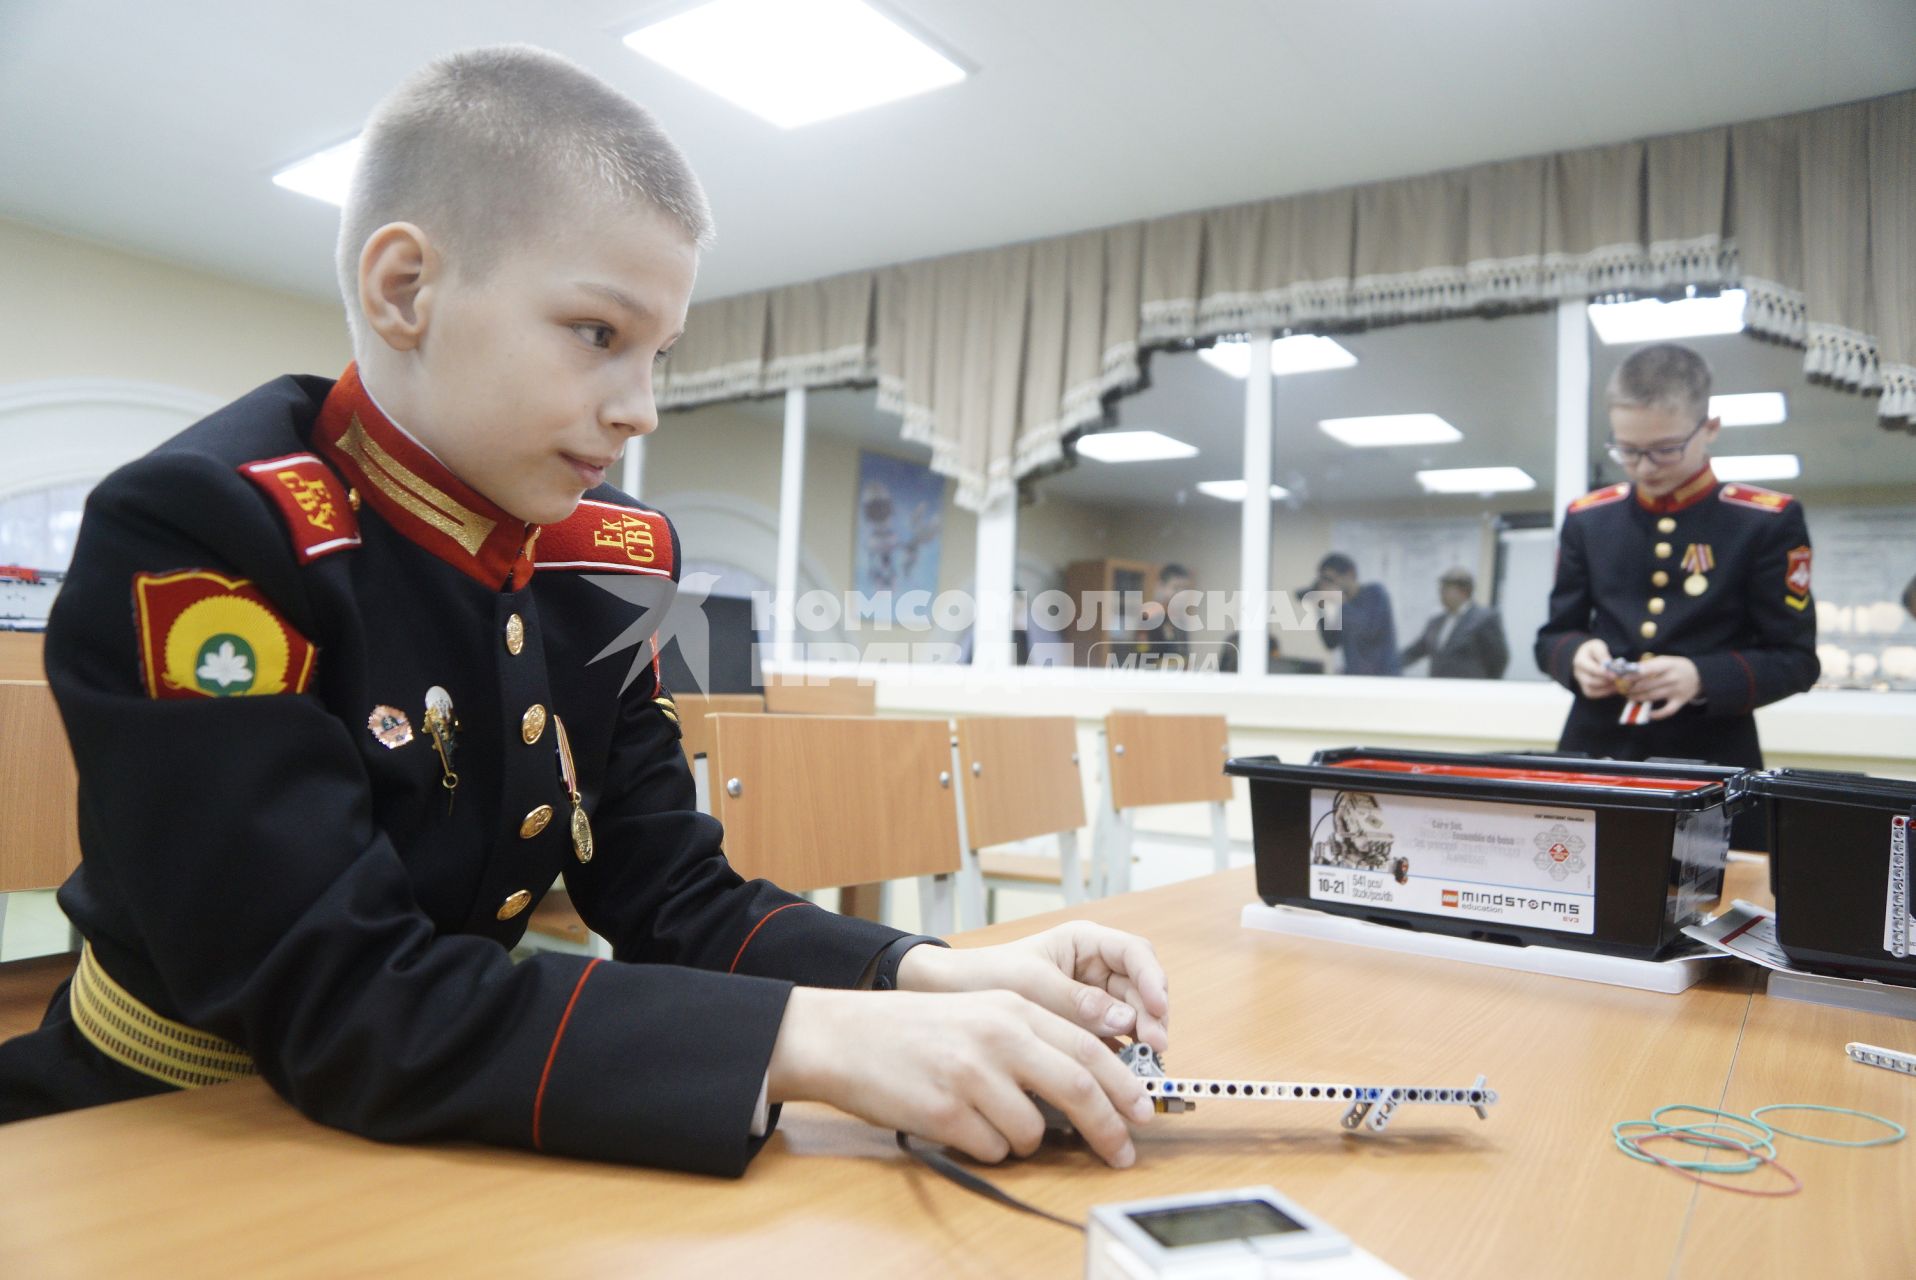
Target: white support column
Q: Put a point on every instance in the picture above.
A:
(997, 564)
(632, 468)
(791, 512)
(1254, 555)
(1573, 404)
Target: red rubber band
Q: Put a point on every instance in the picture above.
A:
(1728, 1144)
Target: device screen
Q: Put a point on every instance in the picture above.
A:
(1210, 1223)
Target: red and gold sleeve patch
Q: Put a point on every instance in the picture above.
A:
(309, 497)
(1796, 579)
(203, 635)
(609, 538)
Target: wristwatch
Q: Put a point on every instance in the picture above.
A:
(885, 968)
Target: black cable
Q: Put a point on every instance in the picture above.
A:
(945, 1166)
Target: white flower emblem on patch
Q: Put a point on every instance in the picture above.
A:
(225, 667)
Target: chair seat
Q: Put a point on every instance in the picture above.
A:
(25, 988)
(1027, 868)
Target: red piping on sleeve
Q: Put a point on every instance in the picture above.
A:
(1557, 651)
(754, 933)
(539, 1099)
(1749, 675)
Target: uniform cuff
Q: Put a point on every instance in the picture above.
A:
(1727, 683)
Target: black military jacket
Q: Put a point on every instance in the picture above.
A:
(1717, 573)
(289, 871)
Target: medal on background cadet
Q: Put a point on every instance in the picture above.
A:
(1699, 560)
(441, 724)
(569, 775)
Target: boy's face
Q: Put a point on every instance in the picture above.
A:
(529, 381)
(1658, 427)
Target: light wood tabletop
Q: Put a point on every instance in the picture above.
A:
(230, 1180)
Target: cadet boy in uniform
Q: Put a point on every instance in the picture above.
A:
(327, 664)
(1705, 587)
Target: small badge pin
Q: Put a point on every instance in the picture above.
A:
(390, 727)
(582, 846)
(441, 724)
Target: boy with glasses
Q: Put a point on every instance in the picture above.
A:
(1681, 604)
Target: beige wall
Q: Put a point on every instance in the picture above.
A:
(71, 309)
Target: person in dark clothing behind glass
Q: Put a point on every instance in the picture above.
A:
(1367, 635)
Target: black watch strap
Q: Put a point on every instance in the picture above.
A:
(885, 968)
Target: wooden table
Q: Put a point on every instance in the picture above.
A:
(231, 1181)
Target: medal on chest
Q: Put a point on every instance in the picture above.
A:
(569, 774)
(1698, 560)
(441, 725)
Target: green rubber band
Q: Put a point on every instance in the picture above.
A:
(1629, 1148)
(1896, 1131)
(1764, 1133)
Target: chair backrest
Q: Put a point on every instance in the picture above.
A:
(824, 801)
(695, 731)
(836, 696)
(39, 838)
(23, 655)
(1165, 759)
(1020, 776)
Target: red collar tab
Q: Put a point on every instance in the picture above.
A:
(611, 539)
(415, 492)
(1688, 494)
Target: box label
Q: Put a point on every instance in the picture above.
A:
(1510, 864)
(1898, 924)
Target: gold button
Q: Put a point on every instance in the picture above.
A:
(535, 822)
(1659, 579)
(1656, 604)
(515, 634)
(514, 905)
(1645, 656)
(532, 725)
(1663, 551)
(1666, 525)
(1647, 630)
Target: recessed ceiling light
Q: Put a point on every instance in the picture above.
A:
(324, 175)
(1758, 466)
(1649, 320)
(795, 62)
(1233, 490)
(1750, 408)
(1299, 353)
(1133, 446)
(1390, 429)
(1476, 480)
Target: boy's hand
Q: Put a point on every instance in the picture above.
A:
(1108, 982)
(955, 1069)
(1672, 681)
(1596, 680)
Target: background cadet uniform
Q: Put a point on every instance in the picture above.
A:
(286, 883)
(1719, 574)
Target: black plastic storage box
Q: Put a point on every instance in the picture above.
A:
(1592, 855)
(1840, 860)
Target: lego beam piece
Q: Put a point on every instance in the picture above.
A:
(1871, 1055)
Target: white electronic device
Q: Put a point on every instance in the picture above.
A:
(1251, 1233)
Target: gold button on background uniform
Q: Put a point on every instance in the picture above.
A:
(1656, 604)
(1663, 551)
(1666, 525)
(515, 634)
(532, 725)
(1647, 630)
(513, 905)
(535, 822)
(1659, 579)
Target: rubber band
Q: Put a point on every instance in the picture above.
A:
(1629, 1148)
(1728, 1144)
(1762, 1131)
(1896, 1131)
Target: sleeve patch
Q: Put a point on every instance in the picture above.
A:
(203, 635)
(1796, 579)
(1748, 495)
(610, 539)
(309, 497)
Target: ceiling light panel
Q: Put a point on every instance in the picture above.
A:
(1299, 353)
(1133, 446)
(1383, 431)
(1477, 480)
(1750, 408)
(1233, 490)
(1649, 320)
(1758, 466)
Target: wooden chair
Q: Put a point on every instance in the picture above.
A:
(695, 731)
(39, 841)
(1153, 760)
(1018, 778)
(833, 696)
(815, 802)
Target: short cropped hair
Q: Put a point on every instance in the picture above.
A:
(1174, 570)
(1336, 562)
(1664, 375)
(480, 146)
(1458, 577)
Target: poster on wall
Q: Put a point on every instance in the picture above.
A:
(900, 521)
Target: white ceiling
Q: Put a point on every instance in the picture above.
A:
(157, 126)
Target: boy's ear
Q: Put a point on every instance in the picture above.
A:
(397, 270)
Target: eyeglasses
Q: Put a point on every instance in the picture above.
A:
(1661, 454)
